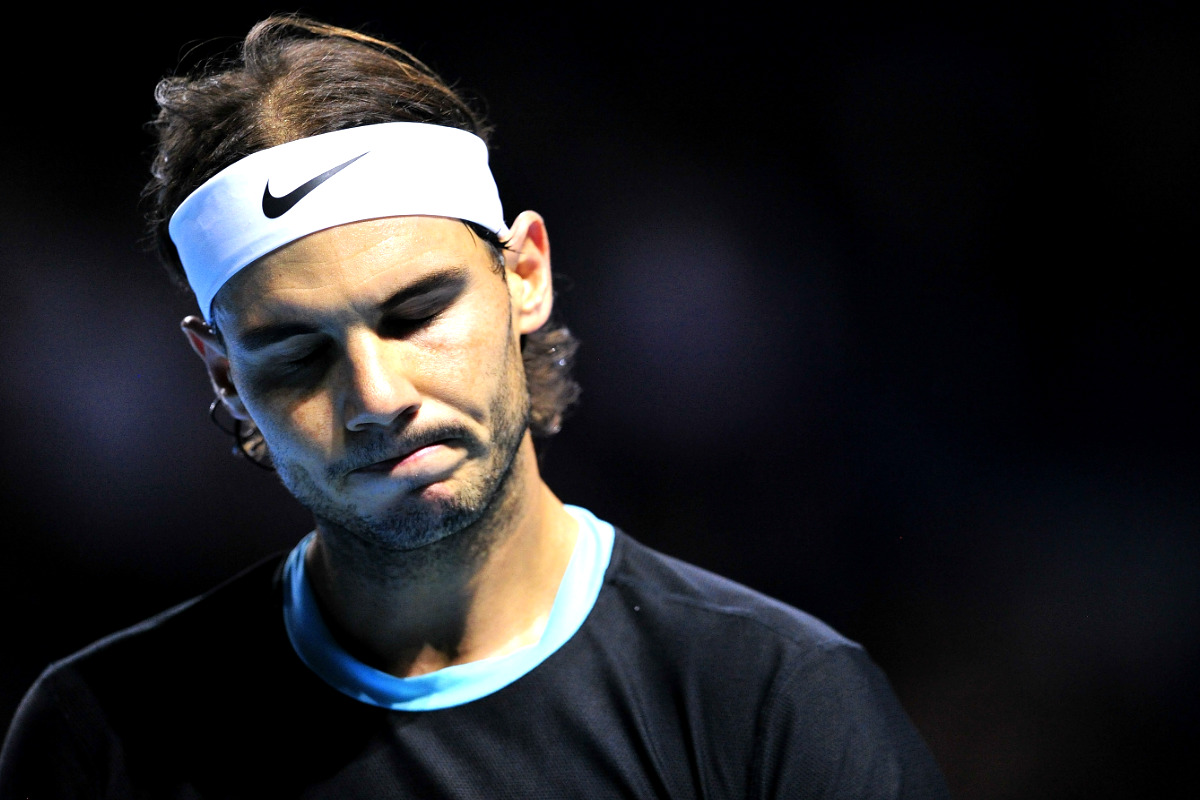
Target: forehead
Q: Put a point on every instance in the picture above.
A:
(349, 266)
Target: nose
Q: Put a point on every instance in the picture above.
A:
(378, 389)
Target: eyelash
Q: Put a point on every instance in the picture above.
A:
(307, 358)
(303, 364)
(404, 325)
(390, 326)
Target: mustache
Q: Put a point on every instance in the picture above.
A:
(385, 447)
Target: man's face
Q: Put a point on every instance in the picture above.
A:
(381, 362)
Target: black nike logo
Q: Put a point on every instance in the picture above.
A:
(275, 207)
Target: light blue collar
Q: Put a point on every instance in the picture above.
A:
(462, 683)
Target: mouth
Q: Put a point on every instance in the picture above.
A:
(410, 454)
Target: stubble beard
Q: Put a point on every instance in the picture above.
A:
(417, 523)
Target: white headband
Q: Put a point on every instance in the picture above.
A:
(275, 196)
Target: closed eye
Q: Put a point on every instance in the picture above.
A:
(397, 326)
(417, 306)
(297, 362)
(306, 359)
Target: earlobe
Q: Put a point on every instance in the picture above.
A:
(530, 280)
(208, 346)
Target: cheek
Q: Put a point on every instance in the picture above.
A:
(293, 428)
(466, 360)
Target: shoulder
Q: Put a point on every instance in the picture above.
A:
(726, 636)
(160, 656)
(697, 599)
(232, 630)
(217, 621)
(80, 722)
(808, 705)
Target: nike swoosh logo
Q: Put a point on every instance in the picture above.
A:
(274, 207)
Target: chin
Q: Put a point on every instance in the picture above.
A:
(419, 521)
(415, 527)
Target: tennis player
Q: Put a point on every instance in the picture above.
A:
(380, 333)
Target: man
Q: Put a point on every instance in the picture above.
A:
(381, 337)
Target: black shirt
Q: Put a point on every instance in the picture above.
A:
(679, 684)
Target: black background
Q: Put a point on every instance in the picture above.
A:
(885, 311)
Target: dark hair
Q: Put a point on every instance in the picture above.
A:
(293, 78)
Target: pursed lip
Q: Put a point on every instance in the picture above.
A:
(389, 463)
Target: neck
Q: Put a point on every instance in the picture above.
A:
(484, 591)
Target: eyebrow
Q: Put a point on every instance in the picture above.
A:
(263, 336)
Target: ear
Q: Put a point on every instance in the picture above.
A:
(527, 264)
(204, 341)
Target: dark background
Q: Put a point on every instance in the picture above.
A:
(884, 312)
